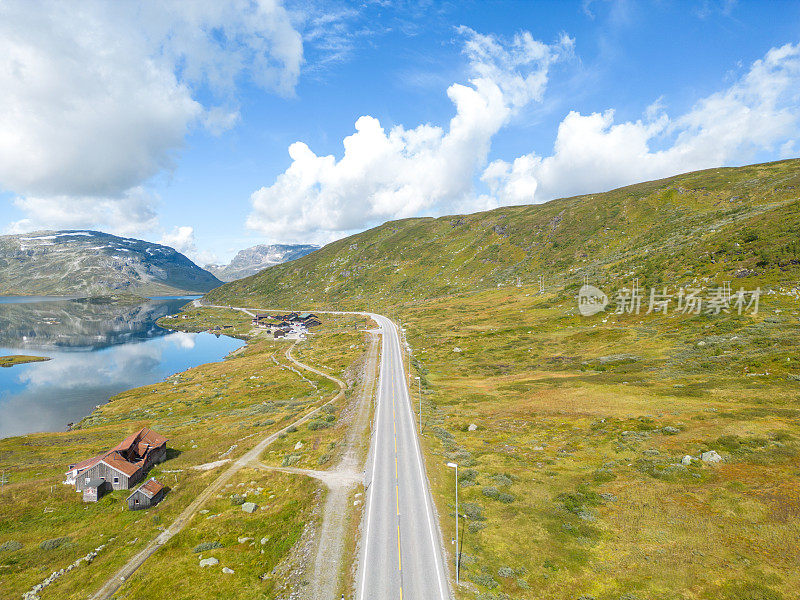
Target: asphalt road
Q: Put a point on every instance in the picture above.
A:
(401, 555)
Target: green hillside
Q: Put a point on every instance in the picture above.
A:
(581, 439)
(732, 222)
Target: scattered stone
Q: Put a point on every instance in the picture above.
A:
(249, 507)
(670, 430)
(456, 349)
(33, 593)
(472, 427)
(209, 562)
(608, 496)
(244, 540)
(264, 541)
(227, 570)
(711, 456)
(686, 460)
(298, 445)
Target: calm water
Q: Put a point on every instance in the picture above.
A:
(97, 351)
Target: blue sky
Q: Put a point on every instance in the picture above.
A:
(173, 121)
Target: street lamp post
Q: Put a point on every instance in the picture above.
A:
(419, 382)
(458, 562)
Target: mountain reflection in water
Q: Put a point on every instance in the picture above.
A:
(98, 350)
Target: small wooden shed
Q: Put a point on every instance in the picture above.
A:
(95, 489)
(146, 495)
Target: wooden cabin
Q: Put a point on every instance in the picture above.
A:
(146, 495)
(124, 465)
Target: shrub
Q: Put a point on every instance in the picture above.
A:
(491, 492)
(330, 418)
(315, 425)
(465, 475)
(505, 498)
(505, 572)
(10, 546)
(501, 480)
(53, 543)
(473, 511)
(204, 546)
(237, 500)
(291, 459)
(485, 580)
(291, 429)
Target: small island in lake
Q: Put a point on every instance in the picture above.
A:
(20, 359)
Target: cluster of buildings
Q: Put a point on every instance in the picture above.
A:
(290, 325)
(121, 468)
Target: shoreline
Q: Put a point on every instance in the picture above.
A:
(20, 359)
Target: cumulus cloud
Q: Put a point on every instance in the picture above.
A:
(127, 215)
(759, 112)
(98, 96)
(183, 240)
(403, 172)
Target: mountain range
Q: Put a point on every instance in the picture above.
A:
(91, 263)
(257, 258)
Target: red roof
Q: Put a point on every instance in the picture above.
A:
(151, 487)
(141, 438)
(141, 441)
(88, 463)
(116, 461)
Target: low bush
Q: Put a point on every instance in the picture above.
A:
(53, 543)
(290, 460)
(205, 546)
(10, 546)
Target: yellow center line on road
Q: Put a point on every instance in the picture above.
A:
(397, 490)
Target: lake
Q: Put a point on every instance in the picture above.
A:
(97, 351)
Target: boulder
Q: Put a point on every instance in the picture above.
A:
(472, 427)
(264, 541)
(686, 460)
(244, 540)
(711, 456)
(249, 507)
(227, 571)
(209, 562)
(298, 445)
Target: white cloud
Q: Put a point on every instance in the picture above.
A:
(128, 215)
(406, 172)
(98, 96)
(759, 112)
(183, 240)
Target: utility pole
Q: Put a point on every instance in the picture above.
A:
(457, 557)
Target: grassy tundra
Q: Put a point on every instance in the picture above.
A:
(209, 413)
(572, 478)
